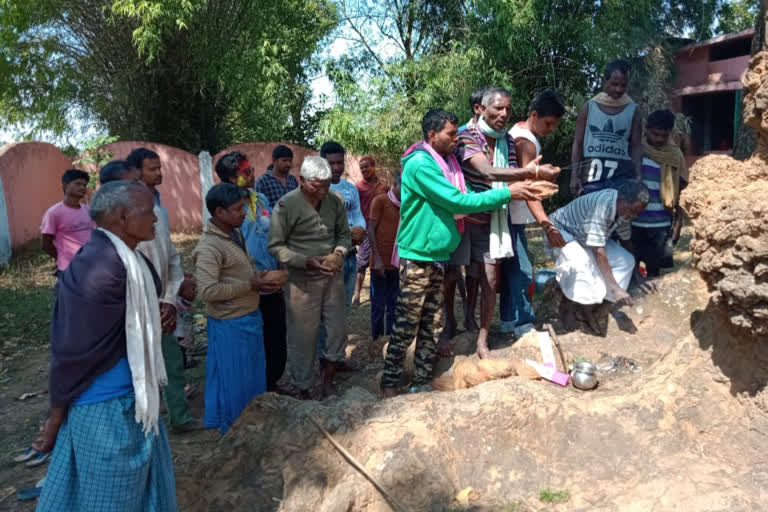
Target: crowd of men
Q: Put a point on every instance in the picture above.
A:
(282, 260)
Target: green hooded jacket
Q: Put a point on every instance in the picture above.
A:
(428, 203)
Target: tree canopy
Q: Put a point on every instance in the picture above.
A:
(525, 46)
(204, 74)
(197, 74)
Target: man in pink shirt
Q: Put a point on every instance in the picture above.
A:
(67, 226)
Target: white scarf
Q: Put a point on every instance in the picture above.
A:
(501, 239)
(142, 334)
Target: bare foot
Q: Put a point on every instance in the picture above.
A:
(482, 350)
(304, 394)
(389, 392)
(444, 348)
(588, 313)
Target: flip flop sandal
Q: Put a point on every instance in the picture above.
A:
(28, 454)
(30, 493)
(41, 458)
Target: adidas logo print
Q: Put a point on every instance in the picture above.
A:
(609, 138)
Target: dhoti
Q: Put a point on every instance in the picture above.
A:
(580, 278)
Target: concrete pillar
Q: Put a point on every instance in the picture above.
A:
(5, 230)
(206, 180)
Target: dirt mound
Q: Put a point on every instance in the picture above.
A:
(727, 202)
(685, 433)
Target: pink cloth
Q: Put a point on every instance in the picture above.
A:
(71, 229)
(452, 172)
(392, 197)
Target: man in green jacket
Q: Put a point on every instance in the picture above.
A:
(433, 202)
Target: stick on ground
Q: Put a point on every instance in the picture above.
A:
(396, 506)
(552, 335)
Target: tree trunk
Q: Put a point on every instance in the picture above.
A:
(745, 141)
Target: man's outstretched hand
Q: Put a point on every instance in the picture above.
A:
(547, 172)
(644, 284)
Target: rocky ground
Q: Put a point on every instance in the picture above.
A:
(685, 431)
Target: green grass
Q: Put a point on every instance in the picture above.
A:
(26, 298)
(553, 496)
(26, 293)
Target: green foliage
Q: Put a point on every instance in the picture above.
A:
(95, 156)
(737, 15)
(197, 74)
(385, 120)
(554, 496)
(526, 46)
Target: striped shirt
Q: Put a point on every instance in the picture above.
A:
(473, 141)
(654, 215)
(591, 219)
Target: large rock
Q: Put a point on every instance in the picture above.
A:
(727, 202)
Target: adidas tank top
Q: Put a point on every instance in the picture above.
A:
(606, 145)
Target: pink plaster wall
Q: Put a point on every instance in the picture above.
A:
(260, 156)
(728, 70)
(31, 173)
(692, 67)
(180, 190)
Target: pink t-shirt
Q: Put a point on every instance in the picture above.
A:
(71, 229)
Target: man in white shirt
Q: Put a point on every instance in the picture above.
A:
(515, 307)
(591, 267)
(167, 261)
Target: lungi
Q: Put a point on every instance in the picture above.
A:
(235, 369)
(103, 462)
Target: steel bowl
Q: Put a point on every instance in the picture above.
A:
(584, 375)
(585, 367)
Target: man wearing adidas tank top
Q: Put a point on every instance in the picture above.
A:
(515, 309)
(607, 148)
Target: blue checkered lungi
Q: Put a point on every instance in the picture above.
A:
(103, 462)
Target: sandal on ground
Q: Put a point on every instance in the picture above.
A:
(29, 453)
(39, 460)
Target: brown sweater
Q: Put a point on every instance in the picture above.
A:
(223, 271)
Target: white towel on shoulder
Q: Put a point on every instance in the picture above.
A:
(143, 332)
(501, 240)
